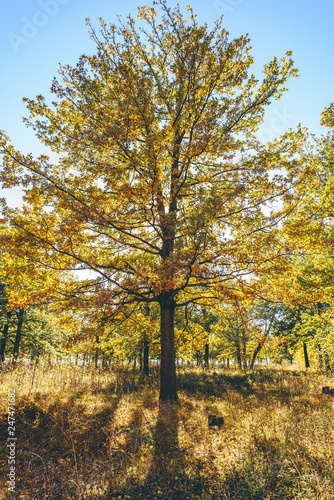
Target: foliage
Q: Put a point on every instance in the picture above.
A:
(160, 185)
(43, 333)
(26, 280)
(242, 329)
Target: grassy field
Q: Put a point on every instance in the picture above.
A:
(87, 434)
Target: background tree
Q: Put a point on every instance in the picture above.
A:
(242, 328)
(191, 334)
(27, 286)
(45, 333)
(5, 317)
(304, 287)
(160, 185)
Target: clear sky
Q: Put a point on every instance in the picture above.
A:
(37, 35)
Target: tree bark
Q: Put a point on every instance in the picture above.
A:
(239, 356)
(320, 307)
(37, 355)
(255, 353)
(206, 356)
(244, 352)
(4, 338)
(18, 335)
(307, 363)
(146, 370)
(97, 352)
(320, 357)
(167, 361)
(327, 362)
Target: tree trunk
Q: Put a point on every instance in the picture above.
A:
(327, 362)
(255, 353)
(206, 356)
(320, 307)
(18, 335)
(244, 352)
(97, 352)
(321, 364)
(307, 363)
(146, 370)
(4, 338)
(167, 364)
(239, 356)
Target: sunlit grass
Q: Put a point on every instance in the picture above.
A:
(94, 434)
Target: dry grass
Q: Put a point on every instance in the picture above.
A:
(90, 434)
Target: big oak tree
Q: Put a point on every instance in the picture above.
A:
(160, 187)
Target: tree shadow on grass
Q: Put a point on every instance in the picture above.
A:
(208, 384)
(59, 446)
(164, 477)
(124, 382)
(257, 383)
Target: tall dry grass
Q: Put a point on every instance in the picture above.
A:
(93, 434)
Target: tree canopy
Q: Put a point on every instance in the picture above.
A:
(161, 189)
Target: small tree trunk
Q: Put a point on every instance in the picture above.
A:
(307, 363)
(239, 356)
(255, 353)
(167, 364)
(244, 352)
(146, 370)
(206, 356)
(4, 337)
(320, 307)
(18, 335)
(97, 352)
(321, 363)
(327, 362)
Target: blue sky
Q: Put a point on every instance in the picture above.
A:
(37, 35)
